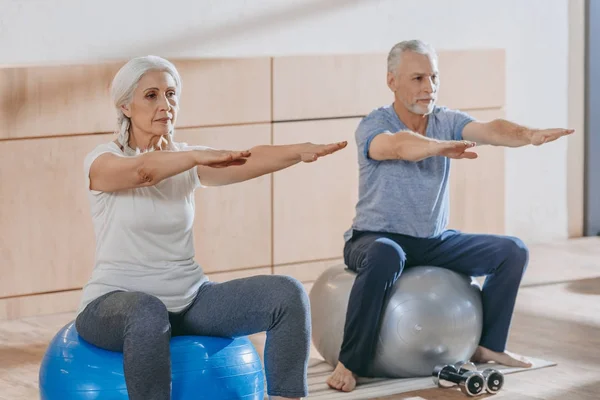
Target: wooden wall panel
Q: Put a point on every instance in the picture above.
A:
(472, 79)
(314, 203)
(309, 87)
(486, 115)
(233, 223)
(39, 304)
(69, 100)
(47, 236)
(57, 100)
(243, 273)
(307, 272)
(306, 87)
(222, 92)
(477, 188)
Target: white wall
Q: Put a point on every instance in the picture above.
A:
(534, 33)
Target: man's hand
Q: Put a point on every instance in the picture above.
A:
(541, 136)
(454, 149)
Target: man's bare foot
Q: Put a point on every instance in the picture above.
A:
(342, 379)
(484, 355)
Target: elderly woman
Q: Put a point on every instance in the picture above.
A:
(146, 285)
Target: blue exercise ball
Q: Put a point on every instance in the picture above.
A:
(202, 368)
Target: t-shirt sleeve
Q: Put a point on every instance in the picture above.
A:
(370, 126)
(194, 171)
(93, 155)
(460, 119)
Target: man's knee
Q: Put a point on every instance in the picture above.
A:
(515, 251)
(384, 257)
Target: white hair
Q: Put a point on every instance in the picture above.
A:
(416, 46)
(125, 83)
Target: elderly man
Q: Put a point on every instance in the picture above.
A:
(402, 212)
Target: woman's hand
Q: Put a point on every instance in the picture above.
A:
(221, 158)
(310, 152)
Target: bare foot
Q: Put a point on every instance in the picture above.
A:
(484, 355)
(342, 379)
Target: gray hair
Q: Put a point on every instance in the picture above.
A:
(416, 46)
(125, 82)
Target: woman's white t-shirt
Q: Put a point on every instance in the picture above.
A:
(144, 238)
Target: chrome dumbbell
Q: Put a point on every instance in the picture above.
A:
(471, 383)
(464, 366)
(494, 379)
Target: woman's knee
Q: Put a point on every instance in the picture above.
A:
(147, 315)
(291, 298)
(292, 291)
(110, 320)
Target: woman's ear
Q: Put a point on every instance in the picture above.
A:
(126, 111)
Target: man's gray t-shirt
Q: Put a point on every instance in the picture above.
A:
(404, 197)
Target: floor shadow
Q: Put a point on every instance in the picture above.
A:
(555, 339)
(585, 286)
(433, 394)
(16, 356)
(586, 392)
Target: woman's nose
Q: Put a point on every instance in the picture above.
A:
(164, 103)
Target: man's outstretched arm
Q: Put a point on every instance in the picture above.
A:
(501, 132)
(411, 146)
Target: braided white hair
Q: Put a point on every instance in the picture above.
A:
(125, 83)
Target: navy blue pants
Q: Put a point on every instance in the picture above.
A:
(379, 259)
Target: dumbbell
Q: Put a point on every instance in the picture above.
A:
(464, 366)
(494, 379)
(471, 383)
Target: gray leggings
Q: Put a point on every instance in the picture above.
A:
(140, 326)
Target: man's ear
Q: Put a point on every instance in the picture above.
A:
(126, 111)
(391, 81)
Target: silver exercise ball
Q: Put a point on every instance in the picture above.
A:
(432, 316)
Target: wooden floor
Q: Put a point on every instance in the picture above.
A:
(557, 319)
